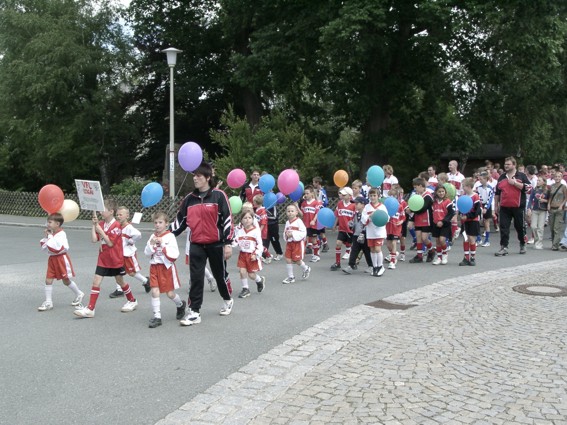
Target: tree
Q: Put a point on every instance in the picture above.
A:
(65, 90)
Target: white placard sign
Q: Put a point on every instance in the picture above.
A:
(90, 195)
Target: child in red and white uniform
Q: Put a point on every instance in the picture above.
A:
(389, 179)
(248, 238)
(110, 259)
(294, 234)
(471, 224)
(162, 251)
(129, 237)
(344, 214)
(59, 265)
(261, 217)
(375, 235)
(310, 207)
(443, 213)
(394, 228)
(423, 220)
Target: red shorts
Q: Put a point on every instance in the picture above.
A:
(245, 262)
(375, 242)
(59, 267)
(131, 264)
(163, 278)
(295, 250)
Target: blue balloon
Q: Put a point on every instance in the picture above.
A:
(326, 217)
(267, 183)
(392, 205)
(296, 194)
(464, 204)
(151, 194)
(375, 175)
(270, 199)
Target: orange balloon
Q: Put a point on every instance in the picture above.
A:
(340, 178)
(51, 198)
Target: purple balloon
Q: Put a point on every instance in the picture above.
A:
(296, 194)
(190, 156)
(281, 197)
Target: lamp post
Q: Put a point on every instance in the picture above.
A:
(171, 53)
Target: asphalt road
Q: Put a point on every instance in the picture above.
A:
(57, 368)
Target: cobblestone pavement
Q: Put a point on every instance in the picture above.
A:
(470, 351)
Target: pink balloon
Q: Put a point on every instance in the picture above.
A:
(190, 156)
(288, 180)
(236, 178)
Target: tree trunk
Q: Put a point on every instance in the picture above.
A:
(252, 106)
(372, 154)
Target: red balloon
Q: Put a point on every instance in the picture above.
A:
(51, 198)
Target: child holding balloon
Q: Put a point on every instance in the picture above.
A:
(421, 205)
(443, 213)
(59, 264)
(343, 221)
(294, 233)
(310, 208)
(358, 238)
(248, 237)
(396, 211)
(261, 217)
(375, 217)
(470, 207)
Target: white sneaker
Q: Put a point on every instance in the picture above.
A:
(436, 261)
(457, 233)
(84, 312)
(530, 242)
(289, 280)
(315, 258)
(277, 257)
(47, 305)
(129, 306)
(227, 307)
(369, 270)
(266, 260)
(345, 256)
(212, 284)
(392, 265)
(402, 256)
(381, 271)
(78, 299)
(347, 270)
(191, 318)
(485, 244)
(306, 273)
(444, 259)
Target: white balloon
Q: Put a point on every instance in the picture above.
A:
(70, 210)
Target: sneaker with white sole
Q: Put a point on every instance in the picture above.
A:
(266, 260)
(306, 273)
(84, 312)
(191, 318)
(244, 293)
(325, 247)
(346, 256)
(402, 256)
(392, 265)
(129, 306)
(315, 258)
(78, 299)
(347, 270)
(262, 284)
(277, 257)
(369, 270)
(436, 261)
(289, 280)
(444, 259)
(181, 311)
(227, 307)
(212, 284)
(380, 271)
(47, 305)
(485, 244)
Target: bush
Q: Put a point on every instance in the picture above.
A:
(131, 186)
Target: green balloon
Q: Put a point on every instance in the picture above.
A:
(235, 204)
(415, 202)
(379, 218)
(451, 190)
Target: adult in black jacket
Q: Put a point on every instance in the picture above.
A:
(206, 214)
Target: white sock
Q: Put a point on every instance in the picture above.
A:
(258, 278)
(73, 287)
(156, 304)
(119, 288)
(208, 273)
(289, 268)
(379, 259)
(177, 300)
(141, 278)
(303, 266)
(374, 257)
(244, 282)
(48, 293)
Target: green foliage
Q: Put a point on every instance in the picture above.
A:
(276, 144)
(131, 186)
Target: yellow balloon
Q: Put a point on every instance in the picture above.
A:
(70, 210)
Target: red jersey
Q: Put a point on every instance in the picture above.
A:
(111, 257)
(394, 224)
(262, 218)
(310, 210)
(424, 216)
(345, 214)
(442, 209)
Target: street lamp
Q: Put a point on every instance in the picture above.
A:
(171, 53)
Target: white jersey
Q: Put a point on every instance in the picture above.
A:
(56, 243)
(373, 231)
(249, 241)
(297, 228)
(388, 183)
(129, 237)
(456, 180)
(166, 253)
